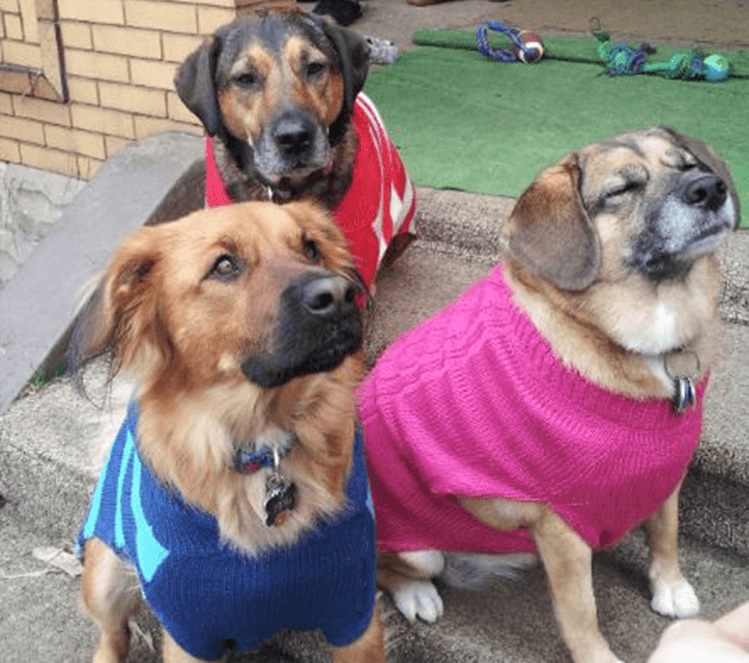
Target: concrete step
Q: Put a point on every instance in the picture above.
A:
(45, 438)
(511, 621)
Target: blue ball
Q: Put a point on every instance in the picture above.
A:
(716, 68)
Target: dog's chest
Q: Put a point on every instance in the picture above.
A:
(207, 594)
(486, 410)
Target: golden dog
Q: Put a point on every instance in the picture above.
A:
(557, 404)
(240, 459)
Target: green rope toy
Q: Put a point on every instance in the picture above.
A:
(624, 60)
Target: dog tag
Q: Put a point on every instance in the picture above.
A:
(684, 396)
(280, 498)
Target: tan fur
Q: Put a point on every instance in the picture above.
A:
(281, 82)
(568, 269)
(183, 337)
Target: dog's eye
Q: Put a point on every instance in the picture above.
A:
(227, 267)
(310, 250)
(629, 186)
(248, 79)
(314, 69)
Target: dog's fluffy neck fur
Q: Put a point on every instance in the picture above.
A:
(328, 188)
(189, 442)
(630, 356)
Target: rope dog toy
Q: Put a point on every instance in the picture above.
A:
(528, 46)
(624, 60)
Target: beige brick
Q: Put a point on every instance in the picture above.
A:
(2, 34)
(13, 27)
(48, 112)
(46, 9)
(47, 159)
(10, 6)
(147, 126)
(210, 18)
(167, 16)
(94, 11)
(75, 140)
(23, 54)
(28, 14)
(88, 167)
(178, 111)
(76, 35)
(134, 99)
(83, 90)
(153, 74)
(6, 107)
(25, 130)
(127, 41)
(113, 144)
(212, 3)
(178, 47)
(97, 65)
(9, 150)
(110, 122)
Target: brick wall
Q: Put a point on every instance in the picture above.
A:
(79, 79)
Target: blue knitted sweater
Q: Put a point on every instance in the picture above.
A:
(210, 597)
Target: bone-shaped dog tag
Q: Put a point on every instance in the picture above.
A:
(280, 498)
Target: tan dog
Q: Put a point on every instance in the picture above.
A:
(557, 404)
(239, 464)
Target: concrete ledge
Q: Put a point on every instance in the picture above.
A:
(39, 303)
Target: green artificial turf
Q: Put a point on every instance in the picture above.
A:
(462, 121)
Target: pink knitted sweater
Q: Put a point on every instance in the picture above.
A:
(474, 403)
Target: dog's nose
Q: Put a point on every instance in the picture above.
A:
(707, 191)
(293, 134)
(326, 294)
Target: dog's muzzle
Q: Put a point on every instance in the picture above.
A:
(688, 223)
(319, 324)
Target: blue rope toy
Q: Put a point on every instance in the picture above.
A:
(528, 47)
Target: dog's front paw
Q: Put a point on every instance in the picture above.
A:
(418, 598)
(676, 599)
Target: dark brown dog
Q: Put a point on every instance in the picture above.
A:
(280, 98)
(277, 93)
(608, 303)
(240, 329)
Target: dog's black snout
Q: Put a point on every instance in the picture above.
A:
(294, 134)
(325, 295)
(707, 191)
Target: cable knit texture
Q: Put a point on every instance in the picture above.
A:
(474, 403)
(210, 597)
(380, 203)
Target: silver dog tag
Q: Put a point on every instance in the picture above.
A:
(684, 396)
(280, 498)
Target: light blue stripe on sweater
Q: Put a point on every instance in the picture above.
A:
(151, 554)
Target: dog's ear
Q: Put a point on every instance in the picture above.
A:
(551, 234)
(195, 83)
(353, 54)
(708, 156)
(121, 316)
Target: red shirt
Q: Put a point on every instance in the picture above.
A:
(380, 203)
